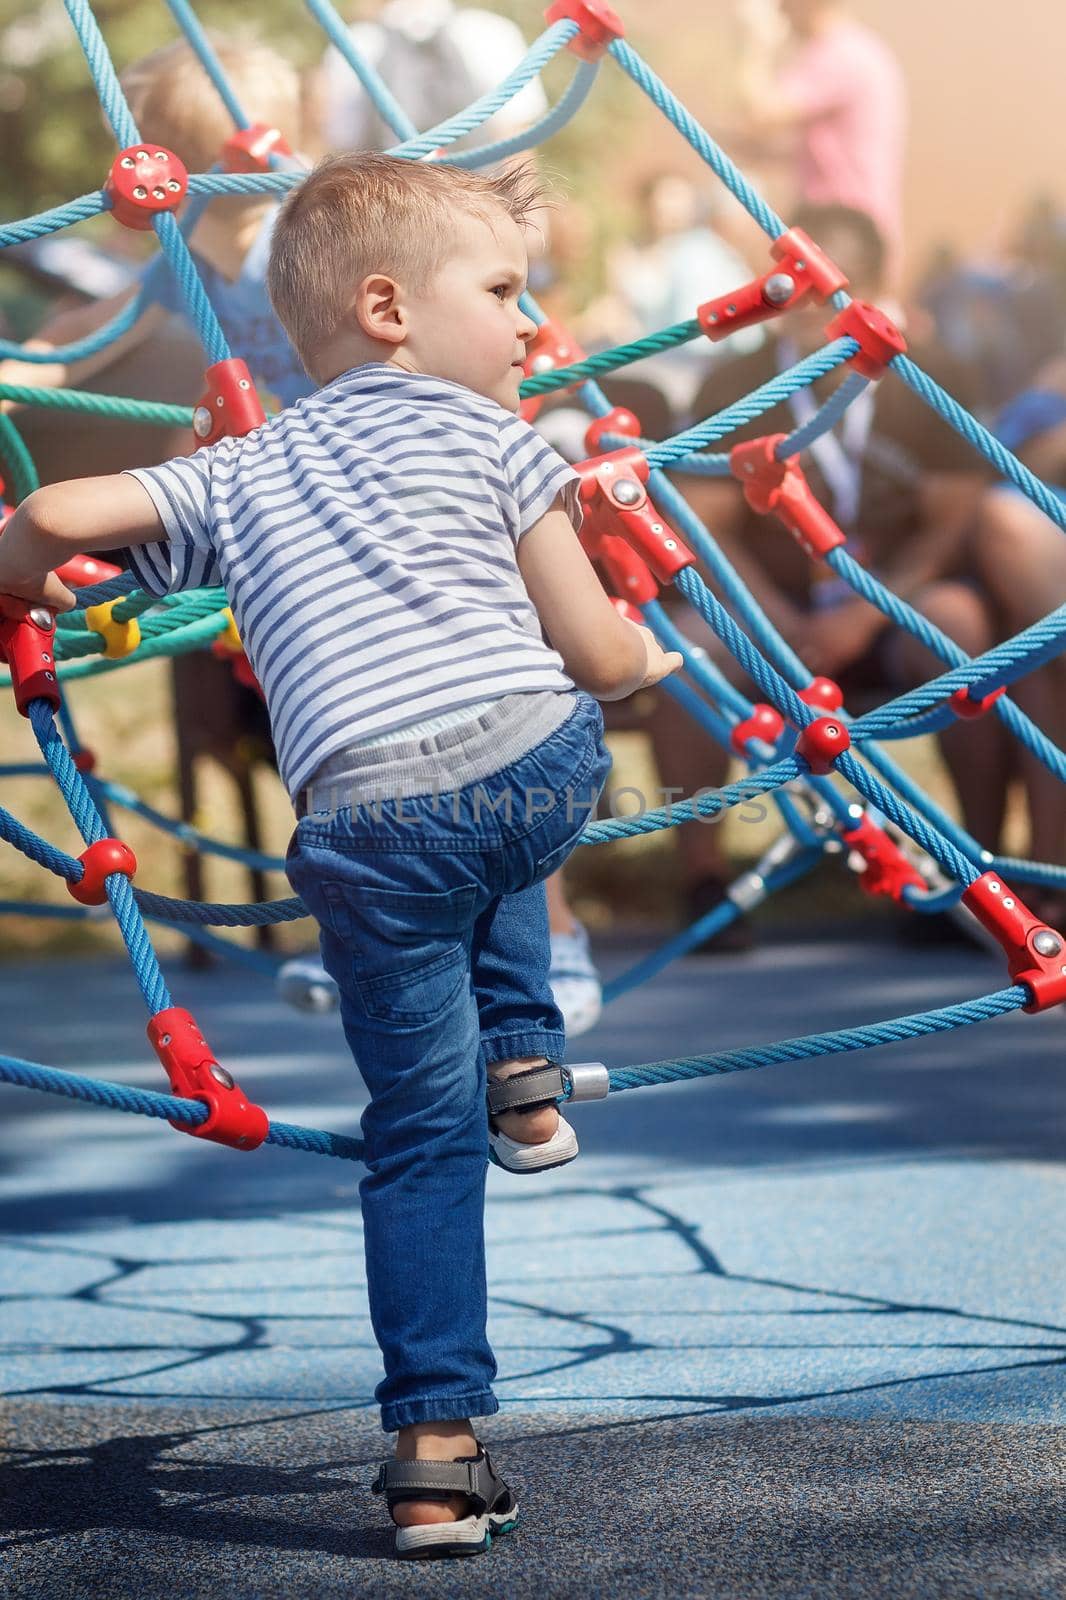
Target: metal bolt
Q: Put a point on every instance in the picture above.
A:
(221, 1076)
(1008, 903)
(173, 185)
(142, 155)
(127, 161)
(669, 544)
(165, 1039)
(49, 677)
(162, 155)
(1046, 943)
(243, 384)
(831, 730)
(159, 193)
(779, 289)
(626, 492)
(41, 618)
(543, 363)
(140, 192)
(202, 422)
(994, 887)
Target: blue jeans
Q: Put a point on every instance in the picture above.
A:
(434, 925)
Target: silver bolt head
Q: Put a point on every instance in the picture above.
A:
(626, 492)
(41, 618)
(221, 1076)
(202, 422)
(140, 192)
(1046, 943)
(779, 289)
(542, 363)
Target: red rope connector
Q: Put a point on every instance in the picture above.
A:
(145, 181)
(80, 571)
(780, 489)
(99, 861)
(803, 272)
(822, 694)
(821, 743)
(880, 341)
(963, 705)
(84, 759)
(27, 644)
(887, 870)
(625, 609)
(618, 420)
(550, 348)
(1036, 953)
(230, 407)
(250, 149)
(195, 1075)
(600, 26)
(617, 503)
(764, 723)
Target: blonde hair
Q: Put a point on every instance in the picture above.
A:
(364, 212)
(175, 104)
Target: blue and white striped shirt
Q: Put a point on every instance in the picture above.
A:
(366, 540)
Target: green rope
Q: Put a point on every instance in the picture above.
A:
(102, 405)
(24, 477)
(608, 360)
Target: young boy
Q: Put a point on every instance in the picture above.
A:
(395, 549)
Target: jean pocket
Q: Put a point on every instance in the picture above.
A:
(409, 948)
(575, 816)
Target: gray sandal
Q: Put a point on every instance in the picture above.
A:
(530, 1091)
(493, 1508)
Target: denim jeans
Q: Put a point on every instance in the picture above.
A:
(434, 925)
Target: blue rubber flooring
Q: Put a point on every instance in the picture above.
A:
(799, 1331)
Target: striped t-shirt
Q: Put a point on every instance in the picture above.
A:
(366, 540)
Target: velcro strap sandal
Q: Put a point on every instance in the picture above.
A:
(493, 1508)
(531, 1090)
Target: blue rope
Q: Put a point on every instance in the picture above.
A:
(823, 1044)
(824, 419)
(64, 216)
(189, 22)
(697, 137)
(147, 1103)
(577, 92)
(119, 324)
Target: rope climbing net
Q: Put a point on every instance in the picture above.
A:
(639, 529)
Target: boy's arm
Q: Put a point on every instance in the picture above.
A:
(603, 653)
(66, 519)
(67, 328)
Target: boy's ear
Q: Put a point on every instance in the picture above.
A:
(377, 307)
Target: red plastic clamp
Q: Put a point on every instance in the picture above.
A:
(599, 25)
(84, 759)
(822, 694)
(618, 420)
(820, 744)
(250, 149)
(764, 723)
(550, 348)
(242, 671)
(616, 502)
(780, 489)
(27, 644)
(80, 571)
(1036, 953)
(803, 272)
(879, 339)
(194, 1074)
(887, 871)
(230, 406)
(966, 707)
(145, 181)
(625, 609)
(99, 861)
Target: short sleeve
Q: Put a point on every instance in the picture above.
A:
(534, 475)
(180, 491)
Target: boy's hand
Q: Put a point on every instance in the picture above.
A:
(50, 592)
(659, 662)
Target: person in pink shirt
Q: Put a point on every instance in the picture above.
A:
(831, 92)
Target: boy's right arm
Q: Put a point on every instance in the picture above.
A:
(64, 519)
(605, 655)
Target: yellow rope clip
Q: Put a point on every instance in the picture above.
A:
(229, 639)
(120, 638)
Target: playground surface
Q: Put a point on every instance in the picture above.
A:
(798, 1331)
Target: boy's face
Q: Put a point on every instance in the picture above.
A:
(466, 325)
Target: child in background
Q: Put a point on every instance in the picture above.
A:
(401, 556)
(175, 105)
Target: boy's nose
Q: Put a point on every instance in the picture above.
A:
(527, 328)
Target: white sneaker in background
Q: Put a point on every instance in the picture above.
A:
(574, 981)
(304, 983)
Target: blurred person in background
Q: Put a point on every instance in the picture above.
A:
(826, 95)
(436, 58)
(905, 489)
(676, 262)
